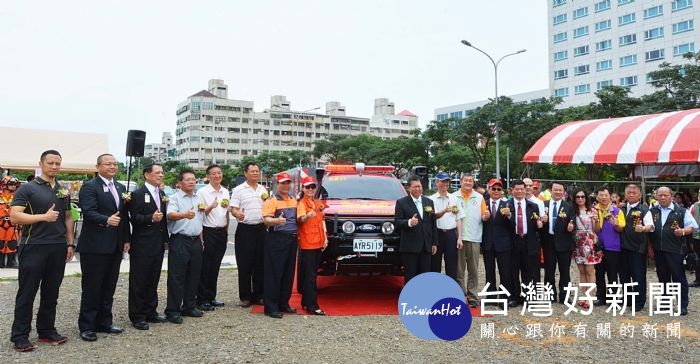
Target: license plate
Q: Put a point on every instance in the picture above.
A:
(367, 245)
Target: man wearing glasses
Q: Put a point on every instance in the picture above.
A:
(497, 243)
(635, 243)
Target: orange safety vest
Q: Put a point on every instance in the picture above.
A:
(8, 231)
(311, 232)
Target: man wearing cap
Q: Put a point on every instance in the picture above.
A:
(280, 216)
(449, 214)
(475, 213)
(246, 206)
(415, 216)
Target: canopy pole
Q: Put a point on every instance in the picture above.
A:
(644, 189)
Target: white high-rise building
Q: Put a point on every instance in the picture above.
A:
(597, 43)
(160, 152)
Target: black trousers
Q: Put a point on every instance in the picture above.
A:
(100, 273)
(672, 270)
(311, 258)
(696, 248)
(415, 264)
(40, 265)
(550, 260)
(184, 269)
(525, 267)
(634, 269)
(503, 259)
(610, 266)
(447, 247)
(563, 260)
(249, 248)
(144, 275)
(215, 241)
(280, 263)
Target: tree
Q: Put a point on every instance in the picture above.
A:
(680, 83)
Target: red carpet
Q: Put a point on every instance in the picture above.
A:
(356, 295)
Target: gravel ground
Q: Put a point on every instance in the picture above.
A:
(233, 334)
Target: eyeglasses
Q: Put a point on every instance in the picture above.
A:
(580, 196)
(284, 183)
(310, 187)
(496, 189)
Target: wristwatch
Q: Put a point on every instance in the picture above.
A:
(70, 246)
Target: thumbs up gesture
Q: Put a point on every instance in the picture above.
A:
(281, 220)
(190, 214)
(638, 227)
(51, 215)
(214, 203)
(114, 219)
(157, 216)
(414, 220)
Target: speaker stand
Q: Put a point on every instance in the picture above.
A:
(128, 175)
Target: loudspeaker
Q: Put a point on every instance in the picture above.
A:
(135, 143)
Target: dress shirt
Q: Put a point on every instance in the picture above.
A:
(217, 216)
(448, 221)
(182, 202)
(246, 198)
(523, 206)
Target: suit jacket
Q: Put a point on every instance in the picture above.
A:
(498, 230)
(97, 205)
(533, 232)
(563, 239)
(147, 237)
(422, 236)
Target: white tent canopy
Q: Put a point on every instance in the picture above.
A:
(22, 148)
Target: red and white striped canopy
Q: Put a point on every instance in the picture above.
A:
(672, 137)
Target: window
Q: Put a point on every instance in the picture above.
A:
(559, 56)
(626, 19)
(603, 25)
(581, 70)
(654, 33)
(556, 3)
(582, 89)
(628, 81)
(561, 92)
(601, 84)
(580, 51)
(561, 18)
(196, 106)
(628, 60)
(603, 65)
(681, 4)
(602, 6)
(603, 46)
(654, 12)
(682, 49)
(559, 74)
(628, 39)
(650, 79)
(623, 2)
(580, 12)
(559, 37)
(654, 55)
(580, 32)
(683, 26)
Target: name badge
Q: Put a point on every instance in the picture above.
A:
(147, 198)
(105, 189)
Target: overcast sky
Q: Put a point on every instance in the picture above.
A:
(110, 66)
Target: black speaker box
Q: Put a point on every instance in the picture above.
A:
(135, 143)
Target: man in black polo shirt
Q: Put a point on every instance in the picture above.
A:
(43, 207)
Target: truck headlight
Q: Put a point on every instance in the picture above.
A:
(348, 227)
(387, 228)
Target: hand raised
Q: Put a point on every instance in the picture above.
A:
(51, 215)
(157, 216)
(190, 214)
(214, 203)
(281, 220)
(414, 220)
(114, 219)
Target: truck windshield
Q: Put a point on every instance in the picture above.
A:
(365, 187)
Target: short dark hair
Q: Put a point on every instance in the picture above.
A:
(633, 185)
(212, 167)
(149, 168)
(601, 189)
(181, 175)
(47, 152)
(247, 165)
(412, 179)
(517, 182)
(551, 185)
(99, 157)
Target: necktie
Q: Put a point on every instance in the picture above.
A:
(114, 193)
(554, 216)
(493, 210)
(419, 208)
(521, 230)
(156, 197)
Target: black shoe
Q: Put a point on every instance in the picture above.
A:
(206, 307)
(111, 329)
(472, 303)
(174, 319)
(512, 304)
(245, 303)
(694, 284)
(258, 302)
(88, 335)
(216, 303)
(277, 315)
(23, 344)
(684, 311)
(192, 313)
(638, 308)
(599, 303)
(141, 325)
(157, 319)
(53, 339)
(317, 312)
(289, 310)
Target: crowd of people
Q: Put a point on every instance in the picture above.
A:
(609, 240)
(191, 225)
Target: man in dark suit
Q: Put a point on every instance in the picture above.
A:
(415, 216)
(497, 241)
(149, 237)
(103, 238)
(558, 240)
(523, 215)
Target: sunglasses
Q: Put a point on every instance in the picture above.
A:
(310, 187)
(580, 196)
(496, 189)
(285, 182)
